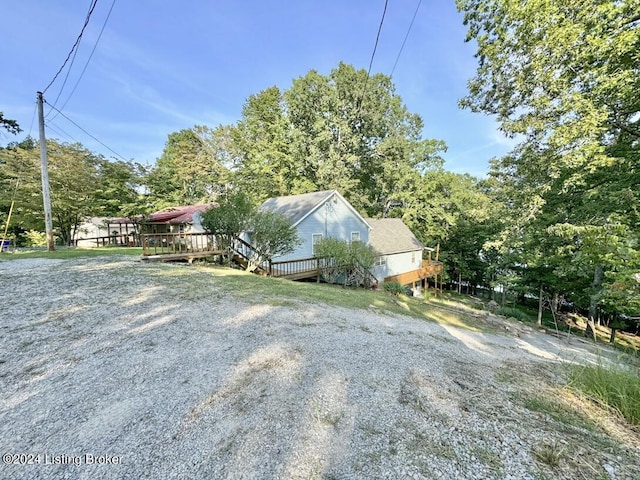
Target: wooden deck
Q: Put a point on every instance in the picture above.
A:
(430, 268)
(189, 256)
(295, 269)
(166, 247)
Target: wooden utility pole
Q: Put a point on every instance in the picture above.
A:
(44, 171)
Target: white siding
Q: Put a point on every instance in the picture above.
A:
(398, 263)
(333, 219)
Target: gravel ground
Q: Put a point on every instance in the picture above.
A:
(111, 368)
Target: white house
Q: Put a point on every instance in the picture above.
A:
(100, 231)
(185, 219)
(319, 215)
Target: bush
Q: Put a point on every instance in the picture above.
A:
(395, 288)
(514, 313)
(33, 238)
(349, 261)
(617, 389)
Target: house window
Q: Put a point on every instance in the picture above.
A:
(380, 261)
(413, 257)
(355, 237)
(315, 239)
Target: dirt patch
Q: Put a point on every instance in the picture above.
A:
(160, 367)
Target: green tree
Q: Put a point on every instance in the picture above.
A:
(329, 132)
(9, 125)
(361, 141)
(262, 138)
(228, 219)
(562, 76)
(82, 184)
(271, 234)
(188, 171)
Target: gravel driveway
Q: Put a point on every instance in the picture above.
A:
(111, 368)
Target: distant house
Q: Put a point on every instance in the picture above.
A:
(185, 219)
(319, 215)
(101, 231)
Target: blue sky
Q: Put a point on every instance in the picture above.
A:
(161, 66)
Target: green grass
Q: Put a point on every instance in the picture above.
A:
(253, 288)
(613, 388)
(70, 252)
(557, 410)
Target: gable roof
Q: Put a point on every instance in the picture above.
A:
(182, 214)
(391, 235)
(298, 207)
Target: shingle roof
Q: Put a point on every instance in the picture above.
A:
(296, 207)
(391, 235)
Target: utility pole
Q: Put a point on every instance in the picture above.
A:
(44, 169)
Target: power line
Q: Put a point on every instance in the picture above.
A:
(89, 59)
(33, 117)
(78, 126)
(66, 77)
(57, 129)
(373, 54)
(86, 22)
(375, 47)
(405, 38)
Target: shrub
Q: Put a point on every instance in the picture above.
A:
(33, 238)
(349, 261)
(514, 313)
(396, 288)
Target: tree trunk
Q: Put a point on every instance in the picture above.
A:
(590, 331)
(459, 283)
(540, 302)
(555, 303)
(612, 337)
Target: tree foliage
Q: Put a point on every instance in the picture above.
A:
(229, 218)
(82, 185)
(271, 235)
(9, 125)
(562, 77)
(345, 262)
(189, 171)
(329, 132)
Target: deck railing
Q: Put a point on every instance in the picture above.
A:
(176, 243)
(431, 267)
(120, 240)
(292, 268)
